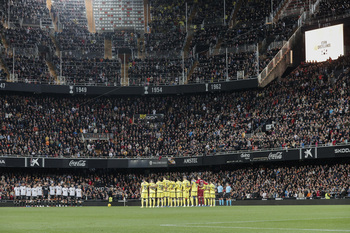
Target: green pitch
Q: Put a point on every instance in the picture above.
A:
(196, 219)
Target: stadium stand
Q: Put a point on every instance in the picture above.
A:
(193, 124)
(30, 12)
(167, 38)
(27, 37)
(79, 40)
(29, 69)
(158, 71)
(168, 15)
(213, 68)
(251, 183)
(332, 8)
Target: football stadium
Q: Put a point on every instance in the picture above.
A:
(174, 116)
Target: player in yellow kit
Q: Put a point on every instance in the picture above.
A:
(172, 186)
(194, 192)
(152, 193)
(160, 188)
(166, 192)
(206, 189)
(212, 193)
(186, 186)
(144, 192)
(179, 192)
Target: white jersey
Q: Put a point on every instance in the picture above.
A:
(52, 190)
(72, 191)
(34, 192)
(17, 191)
(58, 190)
(28, 192)
(40, 191)
(23, 190)
(65, 191)
(78, 192)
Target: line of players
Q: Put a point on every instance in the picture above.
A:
(169, 193)
(39, 195)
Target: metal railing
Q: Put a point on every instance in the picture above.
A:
(278, 57)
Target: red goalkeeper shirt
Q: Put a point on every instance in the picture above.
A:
(201, 184)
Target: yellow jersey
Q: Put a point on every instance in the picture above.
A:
(194, 187)
(160, 186)
(186, 185)
(171, 186)
(166, 185)
(212, 188)
(152, 187)
(206, 188)
(144, 187)
(178, 186)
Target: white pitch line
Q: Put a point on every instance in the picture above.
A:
(268, 220)
(258, 228)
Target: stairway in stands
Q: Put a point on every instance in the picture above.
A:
(147, 13)
(280, 12)
(108, 48)
(51, 69)
(193, 68)
(190, 31)
(54, 20)
(4, 67)
(124, 71)
(141, 46)
(295, 7)
(233, 20)
(90, 16)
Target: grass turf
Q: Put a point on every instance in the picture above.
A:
(197, 219)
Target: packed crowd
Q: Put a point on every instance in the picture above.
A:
(124, 39)
(3, 75)
(34, 10)
(158, 71)
(214, 69)
(165, 43)
(27, 37)
(208, 36)
(168, 15)
(29, 69)
(331, 8)
(67, 12)
(96, 71)
(293, 181)
(75, 37)
(212, 12)
(167, 38)
(315, 113)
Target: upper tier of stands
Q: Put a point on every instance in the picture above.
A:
(210, 31)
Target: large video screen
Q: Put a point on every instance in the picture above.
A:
(324, 43)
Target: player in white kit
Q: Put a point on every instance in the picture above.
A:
(58, 195)
(72, 195)
(34, 196)
(40, 196)
(28, 195)
(17, 197)
(23, 195)
(52, 195)
(78, 195)
(65, 195)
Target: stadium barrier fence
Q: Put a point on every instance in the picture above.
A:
(238, 157)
